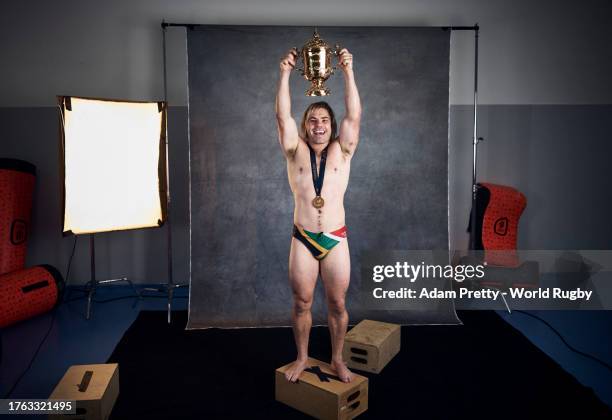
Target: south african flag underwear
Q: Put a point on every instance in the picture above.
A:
(319, 244)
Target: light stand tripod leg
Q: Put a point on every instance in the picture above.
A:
(170, 295)
(93, 283)
(90, 294)
(136, 293)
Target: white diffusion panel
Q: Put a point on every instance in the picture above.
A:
(111, 165)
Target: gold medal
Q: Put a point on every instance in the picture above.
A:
(318, 202)
(317, 178)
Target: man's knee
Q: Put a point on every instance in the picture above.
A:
(301, 304)
(336, 306)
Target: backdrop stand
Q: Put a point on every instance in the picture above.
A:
(475, 141)
(93, 284)
(475, 138)
(168, 287)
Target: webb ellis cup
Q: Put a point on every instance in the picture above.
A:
(316, 55)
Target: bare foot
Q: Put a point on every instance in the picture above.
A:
(342, 371)
(295, 370)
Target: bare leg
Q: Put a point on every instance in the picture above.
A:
(303, 273)
(336, 275)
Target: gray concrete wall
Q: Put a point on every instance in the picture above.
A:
(557, 155)
(531, 52)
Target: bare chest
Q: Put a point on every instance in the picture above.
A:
(336, 173)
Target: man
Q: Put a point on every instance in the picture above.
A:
(318, 166)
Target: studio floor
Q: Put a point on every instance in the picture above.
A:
(74, 340)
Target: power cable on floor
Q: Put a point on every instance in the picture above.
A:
(569, 346)
(64, 299)
(51, 324)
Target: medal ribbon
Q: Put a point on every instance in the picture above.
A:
(317, 179)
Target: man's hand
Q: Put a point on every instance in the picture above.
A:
(288, 62)
(345, 60)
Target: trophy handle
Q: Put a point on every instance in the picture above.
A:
(336, 52)
(299, 54)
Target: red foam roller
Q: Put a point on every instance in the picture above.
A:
(29, 292)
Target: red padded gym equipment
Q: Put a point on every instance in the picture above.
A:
(499, 209)
(16, 193)
(29, 292)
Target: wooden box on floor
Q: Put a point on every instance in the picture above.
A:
(332, 399)
(370, 345)
(94, 388)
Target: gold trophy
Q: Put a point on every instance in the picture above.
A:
(316, 55)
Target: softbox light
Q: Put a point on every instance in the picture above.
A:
(114, 164)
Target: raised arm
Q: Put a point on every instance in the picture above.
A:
(287, 129)
(349, 128)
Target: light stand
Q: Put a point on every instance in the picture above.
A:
(93, 284)
(93, 129)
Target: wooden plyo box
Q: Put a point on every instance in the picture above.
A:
(321, 394)
(370, 345)
(94, 388)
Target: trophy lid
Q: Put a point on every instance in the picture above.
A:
(316, 41)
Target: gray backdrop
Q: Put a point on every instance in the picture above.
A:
(241, 205)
